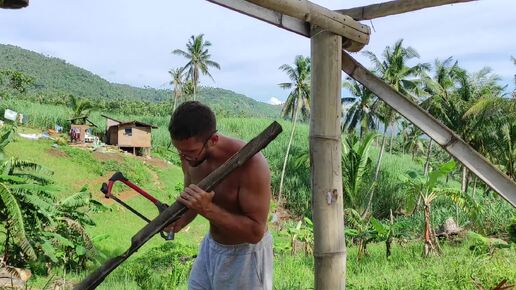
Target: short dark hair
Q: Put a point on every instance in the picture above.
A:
(192, 119)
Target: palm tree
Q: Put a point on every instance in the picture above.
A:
(297, 101)
(198, 58)
(472, 92)
(80, 108)
(393, 69)
(177, 82)
(364, 109)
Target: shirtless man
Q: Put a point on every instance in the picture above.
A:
(237, 252)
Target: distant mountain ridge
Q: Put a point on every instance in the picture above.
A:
(54, 75)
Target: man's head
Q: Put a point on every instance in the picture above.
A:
(192, 130)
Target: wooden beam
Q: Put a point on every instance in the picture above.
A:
(14, 4)
(393, 7)
(297, 15)
(441, 134)
(175, 211)
(270, 16)
(325, 161)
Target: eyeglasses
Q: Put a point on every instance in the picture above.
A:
(188, 158)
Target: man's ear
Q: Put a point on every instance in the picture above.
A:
(214, 139)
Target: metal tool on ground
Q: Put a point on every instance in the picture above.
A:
(118, 176)
(174, 212)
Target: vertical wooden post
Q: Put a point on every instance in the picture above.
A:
(325, 160)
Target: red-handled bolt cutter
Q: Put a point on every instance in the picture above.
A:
(118, 176)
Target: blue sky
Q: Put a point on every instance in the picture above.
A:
(123, 41)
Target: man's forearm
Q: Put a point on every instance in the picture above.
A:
(239, 224)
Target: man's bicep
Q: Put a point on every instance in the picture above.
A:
(255, 192)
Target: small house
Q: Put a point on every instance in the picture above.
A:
(80, 130)
(131, 136)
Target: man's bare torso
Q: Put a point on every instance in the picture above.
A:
(227, 192)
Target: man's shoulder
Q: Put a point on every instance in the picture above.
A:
(257, 162)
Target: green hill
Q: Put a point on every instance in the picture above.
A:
(56, 76)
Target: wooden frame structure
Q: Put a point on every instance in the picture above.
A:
(332, 33)
(326, 28)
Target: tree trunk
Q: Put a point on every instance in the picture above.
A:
(388, 241)
(464, 182)
(474, 185)
(429, 246)
(360, 249)
(6, 246)
(284, 169)
(391, 141)
(428, 153)
(194, 91)
(325, 161)
(175, 102)
(376, 174)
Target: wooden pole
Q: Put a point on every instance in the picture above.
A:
(325, 161)
(393, 7)
(175, 211)
(14, 4)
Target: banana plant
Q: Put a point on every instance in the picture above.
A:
(428, 189)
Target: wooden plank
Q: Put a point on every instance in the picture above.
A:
(14, 4)
(441, 134)
(272, 17)
(325, 161)
(174, 211)
(356, 35)
(393, 7)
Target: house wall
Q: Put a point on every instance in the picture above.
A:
(82, 129)
(112, 135)
(141, 136)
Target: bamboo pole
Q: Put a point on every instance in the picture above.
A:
(393, 7)
(322, 17)
(175, 211)
(325, 161)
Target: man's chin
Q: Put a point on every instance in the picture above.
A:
(195, 163)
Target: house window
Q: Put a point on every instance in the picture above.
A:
(128, 131)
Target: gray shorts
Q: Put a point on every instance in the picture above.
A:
(233, 267)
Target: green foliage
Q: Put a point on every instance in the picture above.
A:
(40, 229)
(355, 168)
(512, 230)
(301, 232)
(482, 245)
(14, 80)
(163, 267)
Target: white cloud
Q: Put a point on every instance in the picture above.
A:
(275, 101)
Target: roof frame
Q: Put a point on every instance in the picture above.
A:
(444, 136)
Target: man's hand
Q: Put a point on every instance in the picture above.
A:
(193, 197)
(173, 227)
